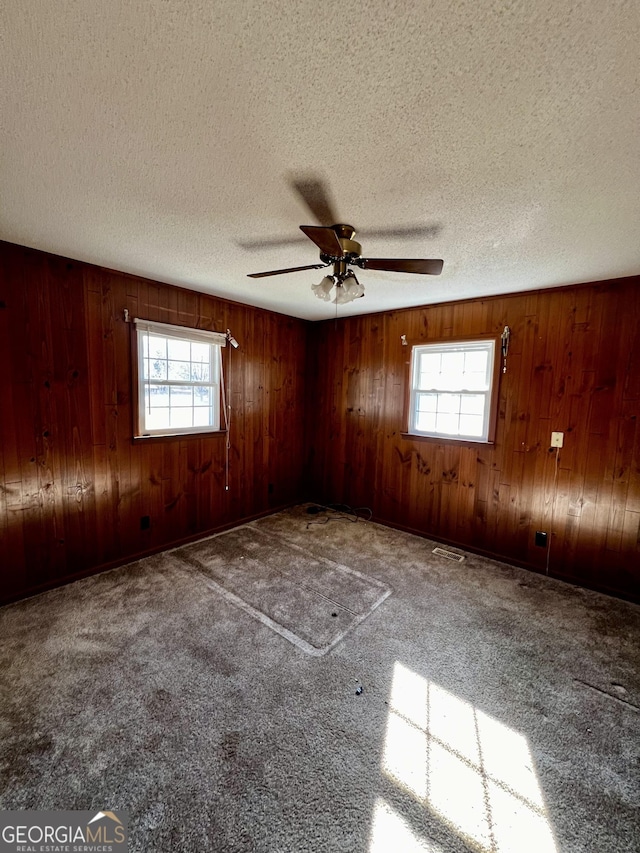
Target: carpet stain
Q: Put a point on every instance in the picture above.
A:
(229, 745)
(216, 661)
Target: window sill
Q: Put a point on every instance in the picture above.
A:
(412, 436)
(172, 436)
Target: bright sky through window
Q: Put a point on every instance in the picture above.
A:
(451, 389)
(178, 379)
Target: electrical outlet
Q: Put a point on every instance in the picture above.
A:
(541, 539)
(557, 439)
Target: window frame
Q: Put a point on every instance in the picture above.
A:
(217, 340)
(493, 392)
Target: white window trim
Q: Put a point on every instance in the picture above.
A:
(167, 330)
(454, 346)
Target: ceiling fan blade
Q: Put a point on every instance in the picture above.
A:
(421, 267)
(291, 269)
(315, 195)
(325, 239)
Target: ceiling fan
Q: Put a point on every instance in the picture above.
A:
(340, 250)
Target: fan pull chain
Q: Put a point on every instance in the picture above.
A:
(226, 411)
(226, 403)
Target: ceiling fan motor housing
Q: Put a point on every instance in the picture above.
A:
(345, 234)
(350, 247)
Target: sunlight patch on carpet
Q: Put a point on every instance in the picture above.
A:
(390, 831)
(310, 600)
(471, 771)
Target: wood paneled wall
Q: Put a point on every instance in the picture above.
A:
(73, 484)
(573, 366)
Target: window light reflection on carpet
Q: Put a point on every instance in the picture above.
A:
(468, 769)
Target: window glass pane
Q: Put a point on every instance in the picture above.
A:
(145, 346)
(472, 425)
(156, 419)
(202, 396)
(201, 352)
(450, 377)
(179, 350)
(202, 416)
(159, 395)
(200, 372)
(452, 368)
(157, 347)
(426, 421)
(475, 361)
(447, 423)
(472, 404)
(427, 402)
(181, 396)
(449, 403)
(475, 382)
(181, 417)
(429, 369)
(180, 370)
(157, 369)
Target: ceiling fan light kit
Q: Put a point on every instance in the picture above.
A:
(338, 248)
(348, 289)
(323, 290)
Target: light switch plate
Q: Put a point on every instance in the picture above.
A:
(557, 439)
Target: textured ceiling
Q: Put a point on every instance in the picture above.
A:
(159, 136)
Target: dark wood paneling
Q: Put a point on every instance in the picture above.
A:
(73, 484)
(573, 366)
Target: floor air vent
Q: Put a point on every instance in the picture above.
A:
(450, 555)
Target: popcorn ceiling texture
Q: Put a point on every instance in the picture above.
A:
(153, 137)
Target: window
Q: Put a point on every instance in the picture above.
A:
(178, 379)
(452, 390)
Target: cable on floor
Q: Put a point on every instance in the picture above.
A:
(341, 512)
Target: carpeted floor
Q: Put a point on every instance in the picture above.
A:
(499, 709)
(311, 601)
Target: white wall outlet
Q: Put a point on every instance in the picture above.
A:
(557, 439)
